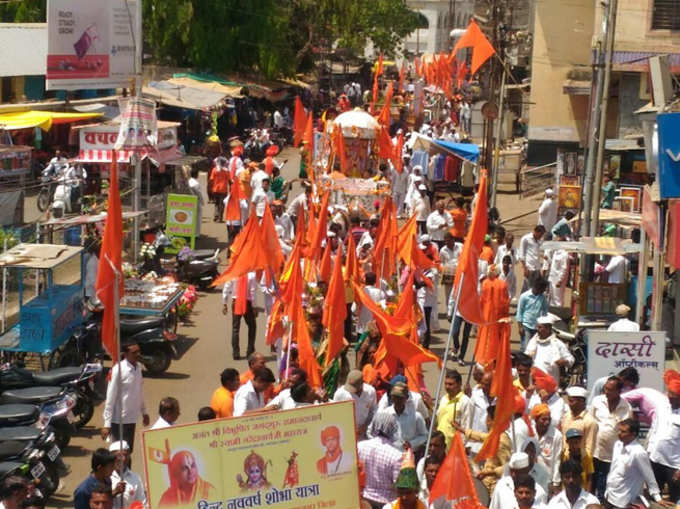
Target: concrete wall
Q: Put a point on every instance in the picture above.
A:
(435, 38)
(23, 49)
(629, 101)
(562, 38)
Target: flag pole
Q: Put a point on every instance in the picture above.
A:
(443, 370)
(116, 322)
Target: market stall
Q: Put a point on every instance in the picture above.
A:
(96, 142)
(149, 298)
(454, 163)
(42, 297)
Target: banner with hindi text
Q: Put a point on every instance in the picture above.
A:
(287, 459)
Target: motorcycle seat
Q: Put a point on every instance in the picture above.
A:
(57, 376)
(11, 449)
(203, 253)
(19, 433)
(134, 325)
(14, 414)
(8, 467)
(30, 395)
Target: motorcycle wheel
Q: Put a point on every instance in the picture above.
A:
(158, 361)
(49, 482)
(43, 199)
(83, 411)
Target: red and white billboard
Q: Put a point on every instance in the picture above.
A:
(90, 44)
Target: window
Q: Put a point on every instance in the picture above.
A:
(665, 15)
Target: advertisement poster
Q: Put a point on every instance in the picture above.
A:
(138, 125)
(569, 197)
(610, 352)
(669, 154)
(286, 460)
(89, 44)
(182, 214)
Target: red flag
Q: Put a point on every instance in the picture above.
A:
(335, 311)
(111, 254)
(482, 49)
(503, 388)
(299, 122)
(469, 305)
(454, 480)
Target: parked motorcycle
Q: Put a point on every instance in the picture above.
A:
(155, 336)
(43, 457)
(81, 380)
(198, 271)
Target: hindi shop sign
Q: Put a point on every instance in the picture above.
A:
(669, 154)
(182, 215)
(289, 459)
(90, 44)
(610, 352)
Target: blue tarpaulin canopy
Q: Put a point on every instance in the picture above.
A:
(466, 151)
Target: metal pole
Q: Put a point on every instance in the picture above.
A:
(595, 204)
(643, 261)
(594, 124)
(137, 185)
(659, 262)
(497, 141)
(443, 371)
(116, 304)
(4, 289)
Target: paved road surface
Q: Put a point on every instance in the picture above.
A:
(206, 347)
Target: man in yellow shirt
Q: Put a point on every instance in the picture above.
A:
(222, 401)
(453, 407)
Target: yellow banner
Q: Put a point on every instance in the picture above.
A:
(295, 459)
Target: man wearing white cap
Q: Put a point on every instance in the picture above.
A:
(547, 211)
(134, 487)
(414, 179)
(504, 493)
(576, 417)
(421, 207)
(623, 324)
(548, 352)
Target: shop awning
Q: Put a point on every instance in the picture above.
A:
(106, 156)
(467, 151)
(42, 119)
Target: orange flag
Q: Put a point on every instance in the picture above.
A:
(469, 305)
(503, 388)
(111, 254)
(270, 241)
(409, 251)
(385, 147)
(397, 159)
(351, 263)
(402, 75)
(374, 97)
(306, 356)
(379, 72)
(232, 212)
(325, 267)
(385, 251)
(320, 229)
(474, 38)
(275, 326)
(454, 480)
(340, 149)
(335, 311)
(299, 122)
(384, 117)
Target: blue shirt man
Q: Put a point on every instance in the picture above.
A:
(530, 306)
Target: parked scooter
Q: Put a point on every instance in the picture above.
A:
(67, 197)
(48, 180)
(155, 336)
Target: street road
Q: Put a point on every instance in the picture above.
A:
(206, 346)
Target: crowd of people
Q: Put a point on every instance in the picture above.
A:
(565, 447)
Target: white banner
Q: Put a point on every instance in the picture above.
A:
(103, 137)
(610, 352)
(90, 44)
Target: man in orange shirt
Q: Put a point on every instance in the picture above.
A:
(222, 401)
(219, 186)
(487, 253)
(459, 216)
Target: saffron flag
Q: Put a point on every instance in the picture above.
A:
(335, 311)
(385, 251)
(409, 251)
(340, 149)
(469, 305)
(320, 229)
(385, 147)
(325, 267)
(379, 72)
(474, 38)
(454, 481)
(110, 256)
(299, 122)
(351, 263)
(397, 159)
(503, 388)
(385, 117)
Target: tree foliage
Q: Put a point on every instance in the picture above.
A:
(25, 11)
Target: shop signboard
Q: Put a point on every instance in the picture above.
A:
(305, 457)
(610, 352)
(90, 44)
(181, 216)
(669, 154)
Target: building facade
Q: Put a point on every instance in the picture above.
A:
(442, 17)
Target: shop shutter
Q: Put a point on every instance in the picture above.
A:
(666, 15)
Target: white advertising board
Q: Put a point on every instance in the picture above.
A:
(90, 44)
(610, 352)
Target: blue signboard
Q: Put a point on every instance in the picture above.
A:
(669, 154)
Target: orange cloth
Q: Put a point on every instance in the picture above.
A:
(246, 377)
(538, 410)
(454, 480)
(482, 49)
(495, 305)
(469, 305)
(543, 380)
(335, 312)
(299, 122)
(219, 181)
(672, 379)
(459, 217)
(487, 254)
(222, 402)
